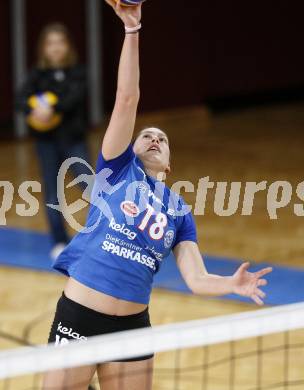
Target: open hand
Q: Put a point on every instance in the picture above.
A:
(130, 16)
(247, 283)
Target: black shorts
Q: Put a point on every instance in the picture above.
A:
(81, 322)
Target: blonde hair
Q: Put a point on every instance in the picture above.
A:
(71, 56)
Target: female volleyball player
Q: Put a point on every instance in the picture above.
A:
(57, 119)
(111, 268)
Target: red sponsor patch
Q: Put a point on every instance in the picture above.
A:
(129, 208)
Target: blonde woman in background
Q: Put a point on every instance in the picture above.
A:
(54, 99)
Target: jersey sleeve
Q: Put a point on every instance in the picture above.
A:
(186, 230)
(117, 163)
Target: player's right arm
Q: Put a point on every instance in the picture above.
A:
(199, 281)
(121, 127)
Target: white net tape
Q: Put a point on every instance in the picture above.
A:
(162, 338)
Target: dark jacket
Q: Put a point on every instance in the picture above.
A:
(69, 84)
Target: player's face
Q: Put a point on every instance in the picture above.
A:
(152, 147)
(56, 48)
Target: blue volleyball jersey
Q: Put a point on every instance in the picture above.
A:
(133, 223)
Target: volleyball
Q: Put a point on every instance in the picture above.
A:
(46, 99)
(130, 3)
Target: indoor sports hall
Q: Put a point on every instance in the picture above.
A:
(226, 84)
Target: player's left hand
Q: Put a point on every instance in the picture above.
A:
(247, 283)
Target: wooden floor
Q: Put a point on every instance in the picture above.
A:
(251, 145)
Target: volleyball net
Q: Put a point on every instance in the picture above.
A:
(256, 350)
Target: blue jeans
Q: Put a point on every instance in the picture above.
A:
(51, 155)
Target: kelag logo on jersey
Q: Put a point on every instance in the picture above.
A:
(123, 229)
(129, 208)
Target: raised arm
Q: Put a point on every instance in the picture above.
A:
(244, 283)
(121, 127)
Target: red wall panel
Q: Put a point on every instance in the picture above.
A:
(5, 63)
(190, 51)
(254, 47)
(195, 50)
(71, 13)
